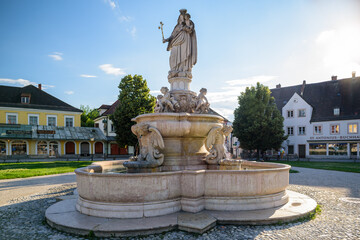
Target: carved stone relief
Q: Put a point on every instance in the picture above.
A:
(182, 101)
(151, 145)
(215, 144)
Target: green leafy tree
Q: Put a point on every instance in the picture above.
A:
(135, 99)
(258, 123)
(88, 116)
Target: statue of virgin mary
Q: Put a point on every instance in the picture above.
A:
(182, 46)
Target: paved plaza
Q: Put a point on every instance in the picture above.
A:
(23, 203)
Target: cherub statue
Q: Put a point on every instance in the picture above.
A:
(168, 103)
(151, 143)
(159, 107)
(202, 104)
(215, 144)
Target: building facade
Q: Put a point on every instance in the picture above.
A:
(34, 123)
(104, 123)
(321, 119)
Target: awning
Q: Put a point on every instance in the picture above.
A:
(16, 131)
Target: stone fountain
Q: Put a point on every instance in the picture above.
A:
(180, 177)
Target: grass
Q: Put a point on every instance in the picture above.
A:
(310, 216)
(31, 169)
(337, 166)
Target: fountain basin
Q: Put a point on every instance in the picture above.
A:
(136, 195)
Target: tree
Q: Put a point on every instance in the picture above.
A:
(258, 123)
(88, 116)
(135, 99)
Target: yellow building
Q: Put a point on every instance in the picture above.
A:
(34, 123)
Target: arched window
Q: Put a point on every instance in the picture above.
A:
(18, 148)
(2, 148)
(53, 149)
(42, 148)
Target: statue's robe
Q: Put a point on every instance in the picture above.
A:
(183, 47)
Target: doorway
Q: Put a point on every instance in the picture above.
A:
(70, 148)
(85, 148)
(302, 150)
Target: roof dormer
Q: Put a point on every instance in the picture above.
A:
(25, 98)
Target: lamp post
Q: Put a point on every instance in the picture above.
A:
(106, 135)
(92, 148)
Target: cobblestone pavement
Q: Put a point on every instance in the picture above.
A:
(340, 218)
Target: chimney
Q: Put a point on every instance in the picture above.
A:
(353, 74)
(39, 86)
(333, 78)
(278, 86)
(303, 87)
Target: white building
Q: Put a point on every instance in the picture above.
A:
(106, 126)
(321, 119)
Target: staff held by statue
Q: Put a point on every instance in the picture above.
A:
(162, 32)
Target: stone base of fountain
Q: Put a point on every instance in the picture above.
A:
(64, 217)
(111, 203)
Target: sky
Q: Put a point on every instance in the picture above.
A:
(80, 49)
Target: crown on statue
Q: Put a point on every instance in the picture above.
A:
(183, 11)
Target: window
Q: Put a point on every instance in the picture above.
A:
(96, 125)
(51, 120)
(69, 121)
(112, 128)
(335, 129)
(336, 111)
(318, 129)
(290, 130)
(2, 148)
(301, 113)
(53, 149)
(291, 149)
(353, 149)
(317, 148)
(18, 148)
(290, 113)
(337, 148)
(352, 128)
(301, 130)
(33, 119)
(25, 99)
(42, 148)
(11, 118)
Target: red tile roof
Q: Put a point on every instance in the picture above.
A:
(112, 108)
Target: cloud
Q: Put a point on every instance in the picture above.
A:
(45, 86)
(325, 36)
(225, 101)
(339, 52)
(57, 56)
(251, 80)
(132, 31)
(111, 3)
(110, 69)
(125, 18)
(87, 76)
(20, 81)
(69, 92)
(155, 92)
(225, 112)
